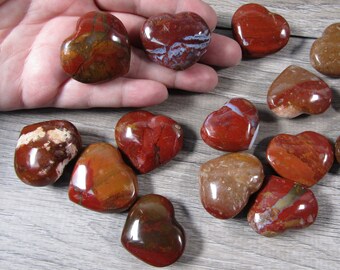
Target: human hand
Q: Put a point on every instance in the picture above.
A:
(32, 31)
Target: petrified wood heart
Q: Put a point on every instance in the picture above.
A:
(175, 41)
(148, 140)
(98, 50)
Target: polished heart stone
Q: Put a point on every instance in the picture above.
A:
(175, 41)
(148, 140)
(98, 50)
(101, 181)
(233, 127)
(44, 149)
(296, 91)
(227, 182)
(258, 31)
(281, 205)
(325, 52)
(337, 149)
(151, 232)
(304, 158)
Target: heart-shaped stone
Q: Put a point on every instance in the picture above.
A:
(325, 52)
(227, 182)
(233, 127)
(44, 149)
(296, 91)
(98, 50)
(337, 149)
(151, 232)
(175, 41)
(282, 204)
(101, 181)
(148, 140)
(258, 31)
(304, 158)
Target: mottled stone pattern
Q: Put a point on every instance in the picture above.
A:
(44, 149)
(98, 50)
(304, 158)
(227, 182)
(151, 232)
(258, 31)
(101, 181)
(148, 140)
(325, 52)
(281, 205)
(296, 91)
(175, 41)
(337, 149)
(233, 127)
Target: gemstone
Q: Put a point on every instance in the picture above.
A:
(175, 41)
(325, 52)
(151, 232)
(98, 50)
(281, 205)
(233, 127)
(101, 181)
(304, 158)
(227, 182)
(337, 149)
(148, 140)
(296, 91)
(44, 149)
(259, 31)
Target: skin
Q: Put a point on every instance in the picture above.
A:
(31, 76)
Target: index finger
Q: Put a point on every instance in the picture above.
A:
(148, 8)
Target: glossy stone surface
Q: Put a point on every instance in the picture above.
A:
(151, 232)
(98, 50)
(227, 182)
(281, 205)
(233, 127)
(258, 31)
(325, 52)
(296, 91)
(175, 41)
(148, 140)
(337, 149)
(304, 158)
(101, 181)
(44, 149)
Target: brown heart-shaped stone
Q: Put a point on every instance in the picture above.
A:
(325, 52)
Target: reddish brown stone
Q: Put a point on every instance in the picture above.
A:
(175, 41)
(101, 181)
(44, 149)
(227, 182)
(325, 52)
(98, 50)
(337, 149)
(296, 91)
(258, 31)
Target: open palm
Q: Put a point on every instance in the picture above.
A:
(31, 76)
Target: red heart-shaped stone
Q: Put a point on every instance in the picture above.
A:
(151, 232)
(148, 140)
(296, 91)
(281, 205)
(175, 41)
(101, 181)
(304, 158)
(233, 127)
(258, 31)
(44, 149)
(99, 49)
(324, 53)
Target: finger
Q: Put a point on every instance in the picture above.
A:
(197, 78)
(148, 8)
(223, 52)
(122, 92)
